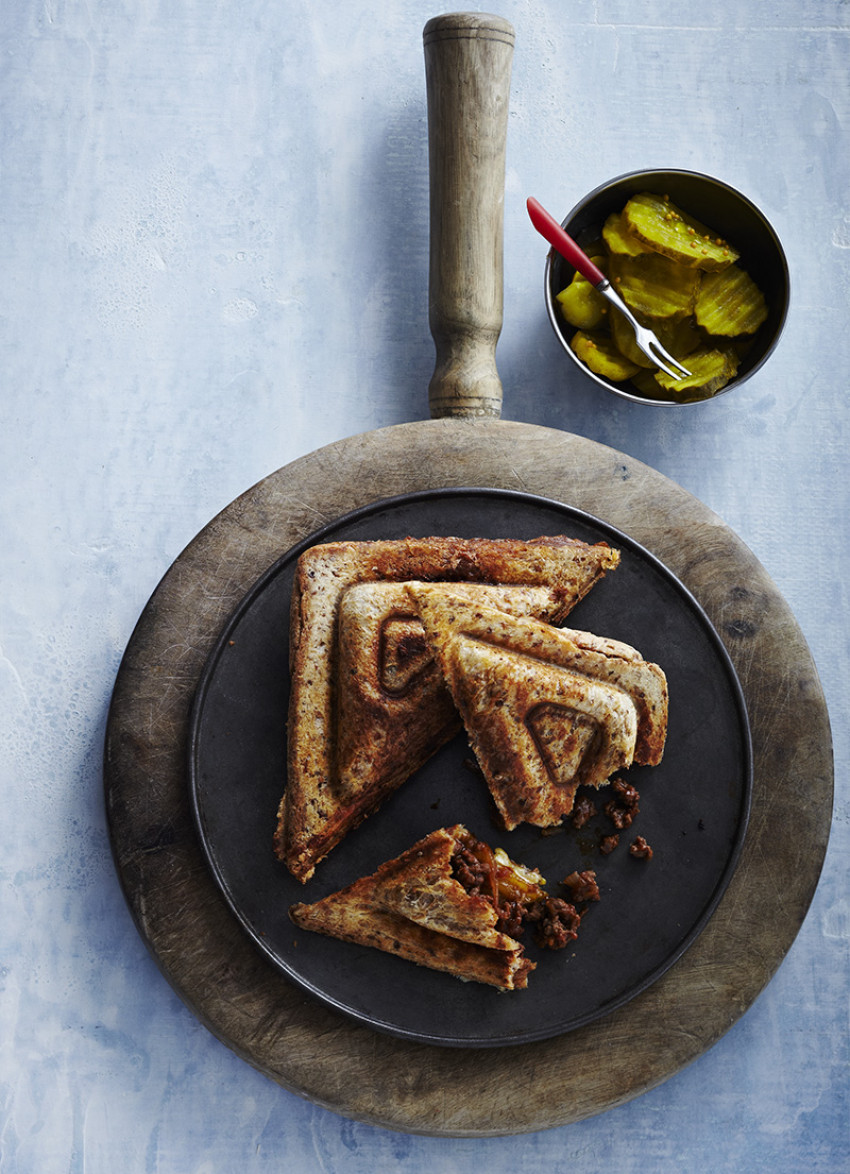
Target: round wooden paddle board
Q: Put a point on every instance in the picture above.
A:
(229, 983)
(314, 1051)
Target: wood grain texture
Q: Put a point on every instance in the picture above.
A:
(374, 1078)
(467, 70)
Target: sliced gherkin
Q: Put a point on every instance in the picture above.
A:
(620, 239)
(645, 382)
(623, 337)
(581, 303)
(655, 285)
(668, 230)
(678, 336)
(598, 352)
(710, 371)
(730, 303)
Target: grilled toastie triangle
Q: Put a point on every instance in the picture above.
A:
(414, 907)
(368, 705)
(546, 709)
(393, 707)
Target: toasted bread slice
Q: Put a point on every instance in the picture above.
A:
(546, 709)
(393, 707)
(367, 704)
(415, 907)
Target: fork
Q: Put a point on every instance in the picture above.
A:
(562, 242)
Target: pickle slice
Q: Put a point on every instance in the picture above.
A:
(601, 356)
(582, 305)
(678, 336)
(710, 370)
(655, 285)
(620, 239)
(730, 303)
(669, 231)
(623, 337)
(648, 386)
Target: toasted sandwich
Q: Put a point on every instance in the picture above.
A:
(368, 705)
(546, 709)
(445, 904)
(393, 707)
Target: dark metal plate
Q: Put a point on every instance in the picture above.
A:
(693, 811)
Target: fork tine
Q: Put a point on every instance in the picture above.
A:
(665, 360)
(644, 337)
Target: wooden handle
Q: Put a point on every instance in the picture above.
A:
(468, 57)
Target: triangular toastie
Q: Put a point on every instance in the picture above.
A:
(546, 709)
(441, 904)
(393, 707)
(368, 705)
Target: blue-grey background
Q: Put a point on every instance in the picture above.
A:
(213, 259)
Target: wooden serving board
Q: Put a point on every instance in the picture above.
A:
(178, 908)
(221, 975)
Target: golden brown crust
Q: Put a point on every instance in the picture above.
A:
(412, 907)
(364, 926)
(393, 708)
(359, 725)
(546, 709)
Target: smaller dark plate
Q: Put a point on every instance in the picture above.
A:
(693, 811)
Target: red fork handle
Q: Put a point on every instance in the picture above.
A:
(550, 230)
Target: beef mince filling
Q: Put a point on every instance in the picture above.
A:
(623, 808)
(518, 900)
(582, 886)
(556, 923)
(473, 866)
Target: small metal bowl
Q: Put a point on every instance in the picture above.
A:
(723, 209)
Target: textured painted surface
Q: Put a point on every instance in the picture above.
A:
(214, 254)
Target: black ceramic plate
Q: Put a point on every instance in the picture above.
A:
(693, 807)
